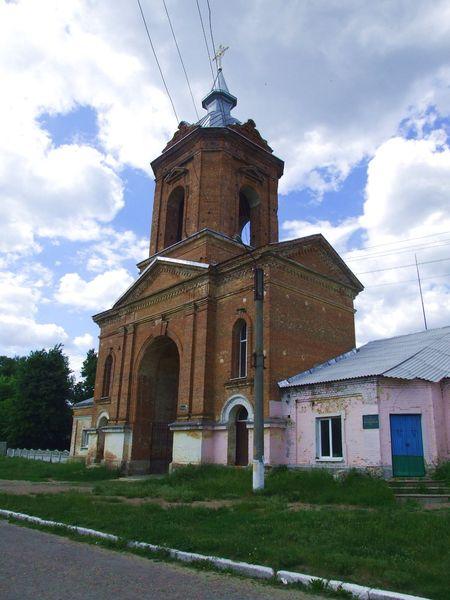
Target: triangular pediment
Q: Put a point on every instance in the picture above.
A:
(315, 253)
(160, 274)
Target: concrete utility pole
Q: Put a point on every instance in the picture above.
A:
(258, 363)
(258, 423)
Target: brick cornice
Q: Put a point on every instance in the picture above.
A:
(195, 283)
(194, 134)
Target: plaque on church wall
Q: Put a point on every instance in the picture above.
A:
(371, 422)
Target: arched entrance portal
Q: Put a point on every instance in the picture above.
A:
(102, 422)
(241, 437)
(157, 403)
(237, 414)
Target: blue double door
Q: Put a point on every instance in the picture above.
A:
(407, 446)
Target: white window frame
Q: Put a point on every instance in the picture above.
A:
(242, 359)
(84, 439)
(319, 455)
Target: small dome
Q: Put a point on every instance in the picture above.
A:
(219, 103)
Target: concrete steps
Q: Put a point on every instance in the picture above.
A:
(424, 490)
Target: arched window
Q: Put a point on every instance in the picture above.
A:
(239, 351)
(107, 371)
(248, 215)
(174, 217)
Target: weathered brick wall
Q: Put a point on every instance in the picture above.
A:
(212, 165)
(305, 329)
(301, 330)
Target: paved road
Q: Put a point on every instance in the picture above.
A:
(40, 566)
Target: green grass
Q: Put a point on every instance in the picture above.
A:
(442, 472)
(213, 482)
(36, 470)
(315, 587)
(389, 547)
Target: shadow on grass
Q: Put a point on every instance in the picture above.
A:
(36, 470)
(212, 482)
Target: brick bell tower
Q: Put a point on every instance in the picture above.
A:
(174, 383)
(217, 174)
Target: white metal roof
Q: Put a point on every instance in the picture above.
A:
(162, 259)
(84, 403)
(424, 355)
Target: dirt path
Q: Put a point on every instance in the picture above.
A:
(9, 486)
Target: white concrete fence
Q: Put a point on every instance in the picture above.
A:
(52, 456)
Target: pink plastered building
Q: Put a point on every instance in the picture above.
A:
(384, 407)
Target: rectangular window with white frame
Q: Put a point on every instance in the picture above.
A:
(84, 438)
(329, 438)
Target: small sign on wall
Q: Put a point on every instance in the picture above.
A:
(371, 422)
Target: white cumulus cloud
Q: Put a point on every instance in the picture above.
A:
(96, 294)
(84, 342)
(20, 328)
(407, 198)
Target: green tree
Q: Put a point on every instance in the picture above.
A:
(85, 388)
(9, 369)
(41, 415)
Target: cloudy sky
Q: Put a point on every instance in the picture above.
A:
(354, 96)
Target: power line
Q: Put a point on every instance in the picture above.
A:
(211, 31)
(421, 295)
(215, 58)
(427, 262)
(406, 281)
(436, 244)
(157, 61)
(206, 41)
(181, 60)
(401, 241)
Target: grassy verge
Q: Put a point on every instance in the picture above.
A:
(393, 548)
(214, 482)
(315, 587)
(36, 470)
(442, 472)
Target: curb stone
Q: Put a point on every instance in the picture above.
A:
(243, 568)
(362, 592)
(144, 546)
(386, 595)
(359, 591)
(292, 577)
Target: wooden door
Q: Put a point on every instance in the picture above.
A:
(242, 438)
(161, 447)
(407, 446)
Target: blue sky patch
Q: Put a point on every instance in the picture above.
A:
(77, 126)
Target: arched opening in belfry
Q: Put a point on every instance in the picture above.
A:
(174, 217)
(248, 215)
(158, 379)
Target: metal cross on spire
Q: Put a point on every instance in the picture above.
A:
(218, 56)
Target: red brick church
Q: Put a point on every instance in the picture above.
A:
(175, 378)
